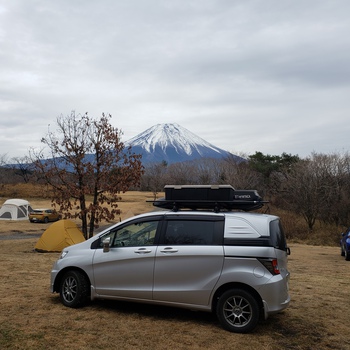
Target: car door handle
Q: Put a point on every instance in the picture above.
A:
(169, 250)
(143, 251)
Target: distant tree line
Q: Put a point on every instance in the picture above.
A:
(317, 187)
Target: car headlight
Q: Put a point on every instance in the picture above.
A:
(63, 254)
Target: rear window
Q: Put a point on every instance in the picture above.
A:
(278, 239)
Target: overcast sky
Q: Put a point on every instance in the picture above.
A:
(249, 75)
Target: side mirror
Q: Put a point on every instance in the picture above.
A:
(106, 244)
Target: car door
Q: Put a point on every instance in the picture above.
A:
(126, 269)
(189, 259)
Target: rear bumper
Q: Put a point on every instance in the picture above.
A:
(35, 220)
(275, 295)
(268, 312)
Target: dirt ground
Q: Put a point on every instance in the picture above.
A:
(33, 318)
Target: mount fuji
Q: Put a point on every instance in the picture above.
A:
(172, 143)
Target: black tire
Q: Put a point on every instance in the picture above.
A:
(46, 220)
(238, 311)
(342, 253)
(74, 289)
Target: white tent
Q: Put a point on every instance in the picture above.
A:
(15, 209)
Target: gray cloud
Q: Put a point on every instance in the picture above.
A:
(270, 76)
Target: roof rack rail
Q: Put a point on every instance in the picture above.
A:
(212, 197)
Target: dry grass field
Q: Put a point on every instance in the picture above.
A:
(33, 318)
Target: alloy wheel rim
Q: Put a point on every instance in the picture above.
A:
(237, 311)
(69, 289)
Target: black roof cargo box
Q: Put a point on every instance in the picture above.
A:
(198, 192)
(214, 197)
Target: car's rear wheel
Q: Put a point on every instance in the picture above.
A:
(46, 220)
(74, 289)
(342, 252)
(238, 311)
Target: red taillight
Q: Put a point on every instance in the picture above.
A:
(275, 267)
(271, 265)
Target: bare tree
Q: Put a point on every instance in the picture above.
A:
(183, 173)
(22, 167)
(241, 176)
(3, 170)
(209, 171)
(301, 191)
(3, 159)
(318, 187)
(87, 158)
(154, 178)
(334, 170)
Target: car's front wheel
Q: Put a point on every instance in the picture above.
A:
(238, 311)
(74, 289)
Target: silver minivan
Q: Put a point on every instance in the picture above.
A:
(231, 263)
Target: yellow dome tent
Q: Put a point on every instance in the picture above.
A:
(59, 235)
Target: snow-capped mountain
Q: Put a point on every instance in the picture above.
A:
(172, 143)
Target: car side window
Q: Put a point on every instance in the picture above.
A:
(189, 232)
(135, 234)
